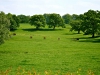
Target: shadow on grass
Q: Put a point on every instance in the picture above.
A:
(34, 29)
(13, 30)
(71, 33)
(90, 39)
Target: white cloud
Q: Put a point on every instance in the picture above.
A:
(30, 7)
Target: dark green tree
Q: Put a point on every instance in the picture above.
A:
(46, 17)
(76, 25)
(13, 20)
(4, 27)
(98, 12)
(75, 17)
(67, 18)
(38, 21)
(16, 19)
(55, 20)
(91, 22)
(23, 18)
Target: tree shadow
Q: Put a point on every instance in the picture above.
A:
(71, 33)
(96, 39)
(34, 29)
(30, 29)
(13, 30)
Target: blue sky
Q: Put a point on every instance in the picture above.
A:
(31, 7)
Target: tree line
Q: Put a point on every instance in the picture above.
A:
(88, 22)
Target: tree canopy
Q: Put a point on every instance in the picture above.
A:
(14, 20)
(91, 22)
(23, 18)
(55, 20)
(38, 21)
(76, 25)
(67, 18)
(4, 27)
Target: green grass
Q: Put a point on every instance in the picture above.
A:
(65, 55)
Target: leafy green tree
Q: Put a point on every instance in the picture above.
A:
(13, 20)
(67, 18)
(13, 25)
(46, 17)
(98, 12)
(75, 17)
(16, 20)
(23, 18)
(55, 20)
(4, 27)
(76, 25)
(38, 21)
(91, 22)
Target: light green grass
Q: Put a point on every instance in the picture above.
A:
(66, 54)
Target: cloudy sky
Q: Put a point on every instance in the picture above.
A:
(31, 7)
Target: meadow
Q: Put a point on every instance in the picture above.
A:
(49, 50)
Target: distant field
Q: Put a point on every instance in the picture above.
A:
(65, 54)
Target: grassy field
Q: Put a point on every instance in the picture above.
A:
(50, 54)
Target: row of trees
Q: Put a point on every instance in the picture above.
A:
(4, 27)
(8, 22)
(52, 20)
(88, 23)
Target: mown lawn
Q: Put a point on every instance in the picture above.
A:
(50, 54)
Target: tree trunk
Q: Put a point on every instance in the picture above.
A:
(78, 31)
(92, 35)
(37, 27)
(93, 31)
(54, 27)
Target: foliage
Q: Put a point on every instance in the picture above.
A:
(4, 27)
(38, 21)
(67, 18)
(14, 21)
(46, 17)
(76, 25)
(75, 17)
(91, 22)
(55, 20)
(23, 18)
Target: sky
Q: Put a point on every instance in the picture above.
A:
(32, 7)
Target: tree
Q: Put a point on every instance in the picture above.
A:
(38, 21)
(23, 18)
(16, 20)
(98, 12)
(4, 27)
(67, 18)
(76, 25)
(55, 20)
(46, 16)
(75, 17)
(13, 20)
(91, 22)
